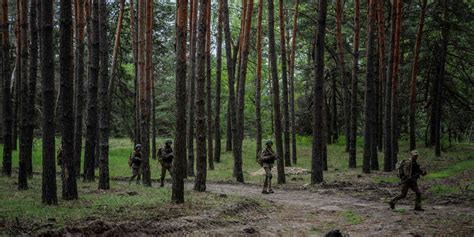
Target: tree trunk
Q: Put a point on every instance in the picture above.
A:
(144, 64)
(284, 80)
(369, 129)
(49, 195)
(381, 71)
(440, 74)
(414, 74)
(7, 97)
(258, 80)
(217, 119)
(210, 150)
(192, 88)
(201, 166)
(276, 92)
(91, 121)
(395, 82)
(66, 75)
(79, 81)
(23, 93)
(334, 127)
(230, 73)
(355, 78)
(179, 166)
(342, 70)
(239, 134)
(388, 98)
(134, 35)
(318, 97)
(292, 84)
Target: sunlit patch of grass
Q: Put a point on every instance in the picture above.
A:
(352, 218)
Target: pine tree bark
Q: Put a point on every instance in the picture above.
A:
(355, 78)
(7, 96)
(134, 35)
(395, 82)
(342, 70)
(66, 75)
(292, 85)
(381, 72)
(79, 9)
(437, 107)
(179, 166)
(414, 74)
(258, 81)
(201, 161)
(318, 97)
(388, 95)
(32, 75)
(192, 87)
(369, 128)
(230, 74)
(275, 91)
(217, 119)
(284, 80)
(23, 118)
(49, 195)
(210, 150)
(239, 131)
(144, 63)
(91, 121)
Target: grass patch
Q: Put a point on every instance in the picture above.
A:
(443, 189)
(122, 202)
(400, 210)
(452, 170)
(352, 218)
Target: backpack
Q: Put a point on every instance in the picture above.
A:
(400, 167)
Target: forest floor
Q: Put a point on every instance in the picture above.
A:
(352, 202)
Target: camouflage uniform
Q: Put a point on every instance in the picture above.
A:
(135, 162)
(268, 157)
(411, 173)
(165, 157)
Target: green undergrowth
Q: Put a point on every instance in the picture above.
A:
(352, 217)
(122, 202)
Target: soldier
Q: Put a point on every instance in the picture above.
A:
(165, 157)
(409, 172)
(266, 160)
(134, 162)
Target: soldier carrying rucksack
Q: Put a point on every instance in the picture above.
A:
(165, 157)
(266, 159)
(409, 171)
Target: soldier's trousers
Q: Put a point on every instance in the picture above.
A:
(267, 184)
(135, 174)
(165, 167)
(405, 187)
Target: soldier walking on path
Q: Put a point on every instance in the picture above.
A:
(266, 159)
(165, 157)
(409, 171)
(135, 162)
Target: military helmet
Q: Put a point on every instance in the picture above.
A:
(169, 141)
(269, 143)
(414, 153)
(138, 146)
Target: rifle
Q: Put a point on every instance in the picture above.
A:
(411, 178)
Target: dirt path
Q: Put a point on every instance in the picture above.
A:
(301, 212)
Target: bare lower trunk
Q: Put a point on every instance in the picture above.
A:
(355, 75)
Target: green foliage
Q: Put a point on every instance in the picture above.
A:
(452, 170)
(352, 217)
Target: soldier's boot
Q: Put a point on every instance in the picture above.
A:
(418, 202)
